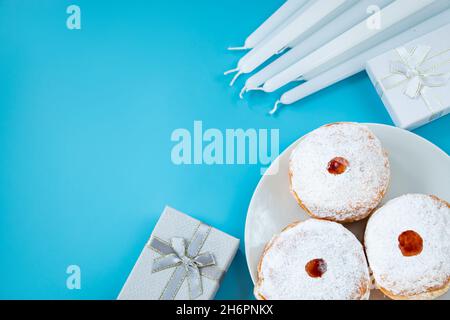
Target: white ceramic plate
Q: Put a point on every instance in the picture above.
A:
(417, 166)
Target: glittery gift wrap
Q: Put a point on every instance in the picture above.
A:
(413, 80)
(146, 283)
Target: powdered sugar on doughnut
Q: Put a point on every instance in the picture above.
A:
(351, 195)
(416, 275)
(282, 273)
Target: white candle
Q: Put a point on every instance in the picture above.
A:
(336, 27)
(273, 22)
(357, 63)
(396, 17)
(318, 13)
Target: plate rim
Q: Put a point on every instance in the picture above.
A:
(258, 186)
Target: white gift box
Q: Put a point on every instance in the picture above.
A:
(413, 80)
(184, 259)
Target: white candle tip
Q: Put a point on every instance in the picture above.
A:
(255, 89)
(275, 108)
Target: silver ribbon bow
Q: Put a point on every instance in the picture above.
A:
(188, 263)
(410, 69)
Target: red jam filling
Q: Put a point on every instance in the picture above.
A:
(410, 243)
(337, 165)
(316, 268)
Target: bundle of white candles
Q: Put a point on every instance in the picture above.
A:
(330, 40)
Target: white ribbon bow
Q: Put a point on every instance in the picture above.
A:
(410, 69)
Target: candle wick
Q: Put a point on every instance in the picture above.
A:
(235, 78)
(275, 108)
(238, 48)
(230, 71)
(243, 91)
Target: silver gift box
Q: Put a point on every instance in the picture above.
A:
(180, 278)
(398, 73)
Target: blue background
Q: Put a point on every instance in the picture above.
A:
(85, 123)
